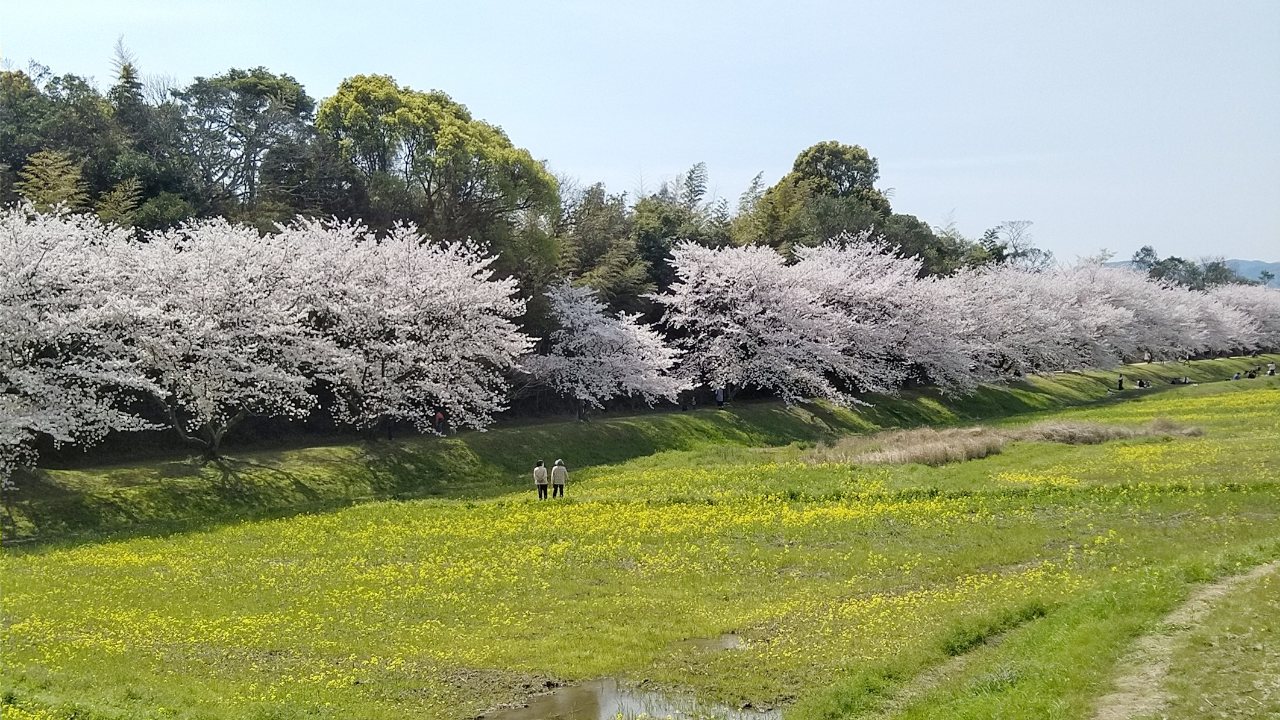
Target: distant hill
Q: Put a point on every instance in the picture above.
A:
(1247, 269)
(1251, 268)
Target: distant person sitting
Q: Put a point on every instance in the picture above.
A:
(1236, 376)
(1251, 375)
(1271, 368)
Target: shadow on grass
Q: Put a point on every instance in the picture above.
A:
(162, 497)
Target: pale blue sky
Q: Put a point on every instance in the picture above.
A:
(1107, 124)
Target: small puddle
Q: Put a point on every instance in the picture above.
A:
(607, 699)
(727, 641)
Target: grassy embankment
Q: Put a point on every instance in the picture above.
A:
(1230, 666)
(178, 494)
(1025, 574)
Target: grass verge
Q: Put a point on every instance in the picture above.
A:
(178, 494)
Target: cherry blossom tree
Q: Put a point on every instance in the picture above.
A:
(595, 357)
(63, 372)
(215, 322)
(1217, 326)
(412, 328)
(1154, 316)
(746, 319)
(1012, 321)
(899, 325)
(217, 325)
(1260, 304)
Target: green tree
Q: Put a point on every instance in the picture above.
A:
(50, 179)
(833, 169)
(80, 125)
(940, 254)
(154, 148)
(656, 228)
(1177, 270)
(1011, 242)
(164, 210)
(233, 121)
(678, 212)
(598, 248)
(830, 190)
(424, 157)
(1145, 259)
(119, 205)
(1216, 272)
(311, 178)
(131, 110)
(1200, 275)
(23, 112)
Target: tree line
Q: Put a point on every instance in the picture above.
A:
(188, 257)
(196, 328)
(252, 146)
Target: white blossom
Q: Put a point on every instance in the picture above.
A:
(413, 328)
(63, 370)
(1259, 304)
(217, 323)
(899, 327)
(595, 357)
(746, 319)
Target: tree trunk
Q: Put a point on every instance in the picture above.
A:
(213, 447)
(172, 413)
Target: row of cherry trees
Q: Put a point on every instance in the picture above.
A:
(851, 316)
(199, 327)
(210, 323)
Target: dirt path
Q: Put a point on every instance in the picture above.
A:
(1139, 691)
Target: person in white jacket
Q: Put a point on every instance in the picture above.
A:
(540, 480)
(559, 474)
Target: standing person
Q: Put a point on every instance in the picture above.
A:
(540, 480)
(559, 474)
(1120, 383)
(719, 397)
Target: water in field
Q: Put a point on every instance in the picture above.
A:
(727, 641)
(607, 700)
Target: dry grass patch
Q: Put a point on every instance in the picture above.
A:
(1091, 433)
(927, 446)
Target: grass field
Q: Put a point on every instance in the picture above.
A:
(1007, 586)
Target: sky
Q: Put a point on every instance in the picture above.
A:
(1109, 125)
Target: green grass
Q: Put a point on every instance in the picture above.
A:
(1024, 575)
(1230, 666)
(179, 494)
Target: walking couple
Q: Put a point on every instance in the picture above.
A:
(559, 473)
